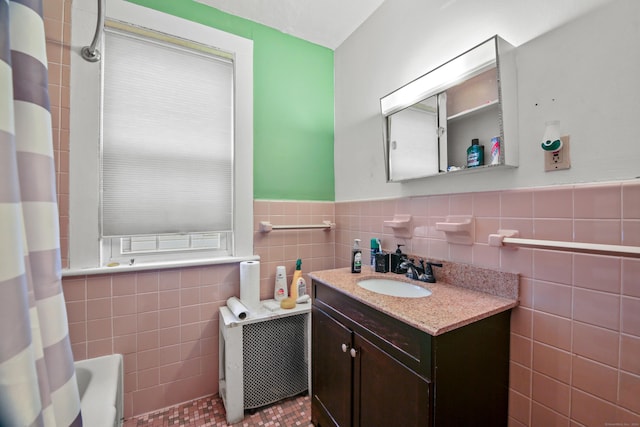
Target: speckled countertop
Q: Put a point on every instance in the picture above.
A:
(447, 308)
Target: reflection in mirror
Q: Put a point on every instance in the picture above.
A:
(429, 123)
(413, 140)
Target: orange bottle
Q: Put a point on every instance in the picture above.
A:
(297, 277)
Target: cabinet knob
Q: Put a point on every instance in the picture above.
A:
(353, 352)
(344, 348)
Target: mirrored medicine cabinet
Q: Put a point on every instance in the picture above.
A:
(429, 123)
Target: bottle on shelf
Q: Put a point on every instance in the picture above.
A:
(280, 292)
(475, 154)
(297, 282)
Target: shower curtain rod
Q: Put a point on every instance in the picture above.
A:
(510, 238)
(91, 53)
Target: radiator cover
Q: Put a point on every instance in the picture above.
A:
(275, 360)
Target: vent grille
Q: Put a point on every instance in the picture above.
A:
(275, 360)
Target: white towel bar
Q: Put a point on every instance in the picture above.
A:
(266, 226)
(509, 238)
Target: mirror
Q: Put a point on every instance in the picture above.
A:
(413, 140)
(429, 123)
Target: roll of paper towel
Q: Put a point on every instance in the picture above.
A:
(237, 308)
(250, 285)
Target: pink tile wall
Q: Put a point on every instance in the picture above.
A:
(283, 247)
(165, 323)
(575, 338)
(57, 22)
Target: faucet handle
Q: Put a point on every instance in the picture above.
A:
(428, 271)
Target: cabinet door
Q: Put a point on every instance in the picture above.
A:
(331, 371)
(387, 393)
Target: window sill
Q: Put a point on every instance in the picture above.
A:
(160, 265)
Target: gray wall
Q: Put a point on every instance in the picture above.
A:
(578, 62)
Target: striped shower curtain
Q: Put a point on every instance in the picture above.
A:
(37, 377)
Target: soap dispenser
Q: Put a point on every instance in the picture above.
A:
(397, 259)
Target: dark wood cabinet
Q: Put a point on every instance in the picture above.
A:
(332, 368)
(356, 383)
(370, 369)
(386, 392)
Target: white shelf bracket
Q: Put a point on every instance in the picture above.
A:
(497, 240)
(459, 229)
(401, 225)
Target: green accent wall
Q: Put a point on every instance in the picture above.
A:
(293, 105)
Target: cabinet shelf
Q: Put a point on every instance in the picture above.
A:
(471, 111)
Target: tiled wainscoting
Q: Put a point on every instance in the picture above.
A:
(575, 352)
(165, 323)
(57, 21)
(575, 341)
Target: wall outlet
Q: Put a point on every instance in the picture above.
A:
(557, 160)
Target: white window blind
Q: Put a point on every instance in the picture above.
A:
(167, 146)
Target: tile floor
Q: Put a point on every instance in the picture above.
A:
(209, 411)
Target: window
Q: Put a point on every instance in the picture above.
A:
(167, 145)
(166, 121)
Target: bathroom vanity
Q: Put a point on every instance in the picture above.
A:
(379, 360)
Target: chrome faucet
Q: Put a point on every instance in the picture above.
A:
(415, 271)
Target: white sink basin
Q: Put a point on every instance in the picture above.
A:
(394, 288)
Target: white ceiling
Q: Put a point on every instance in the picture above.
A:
(324, 22)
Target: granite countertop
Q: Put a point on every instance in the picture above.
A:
(447, 308)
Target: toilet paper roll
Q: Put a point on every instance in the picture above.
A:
(237, 308)
(250, 285)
